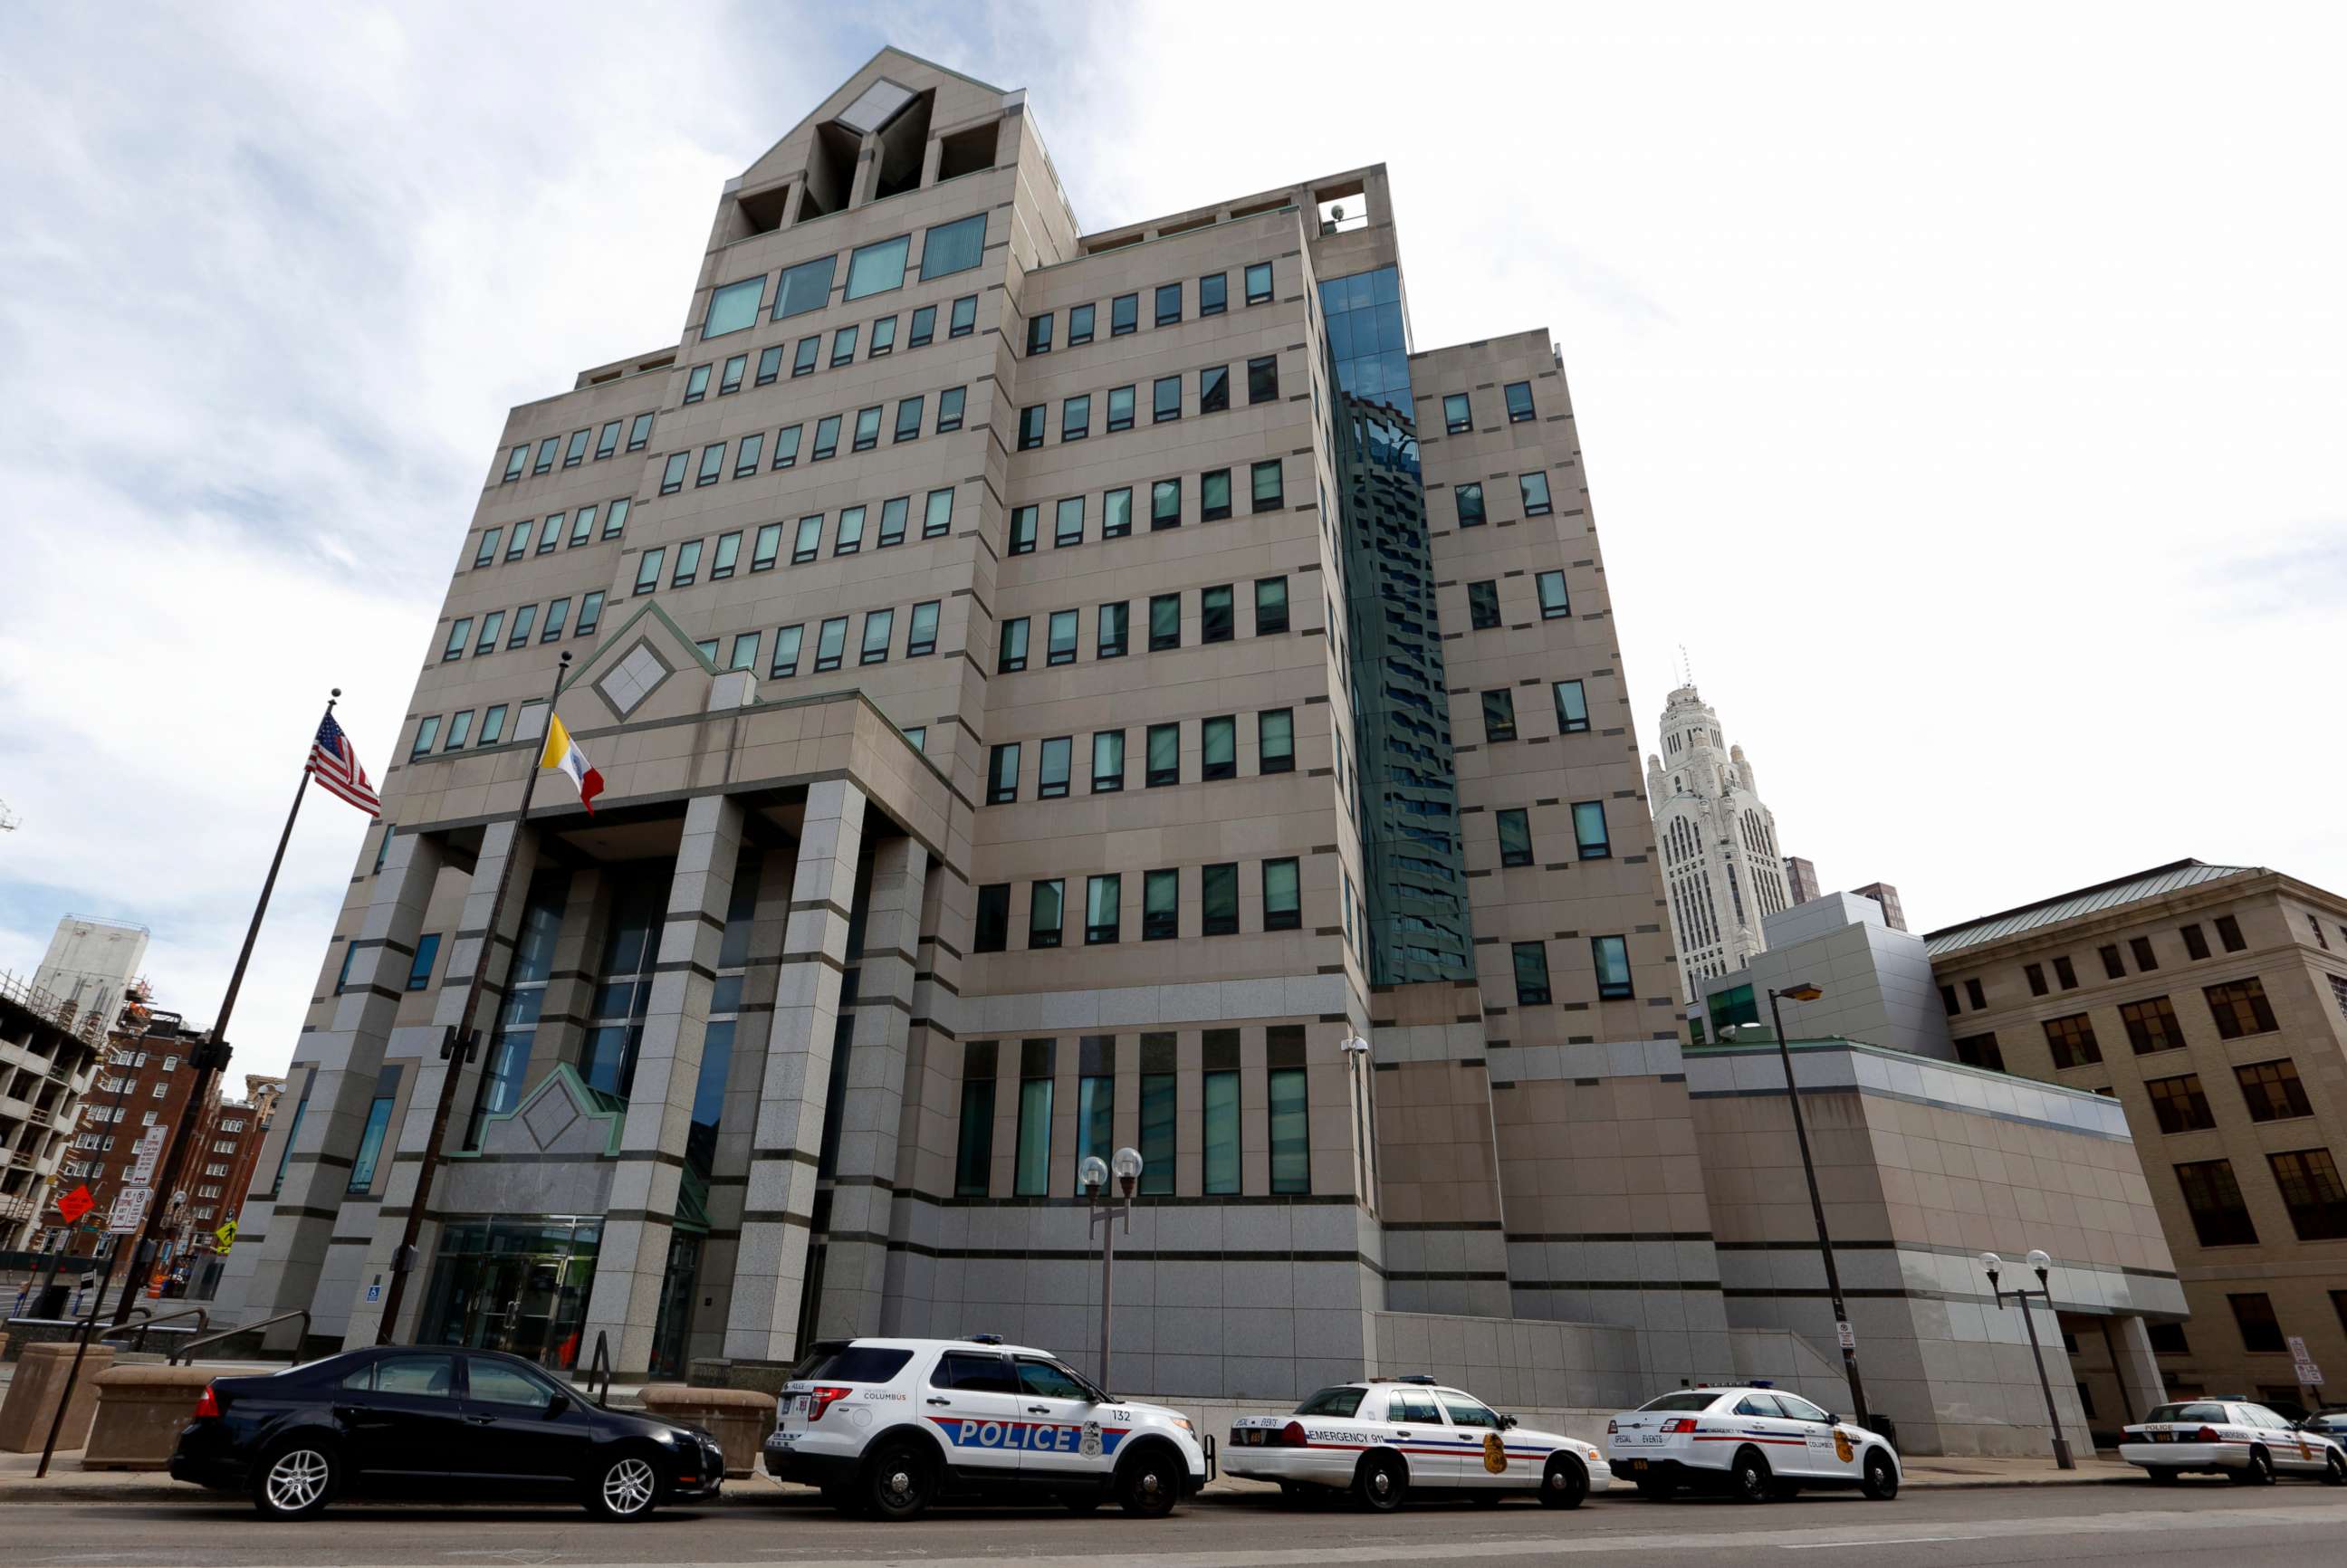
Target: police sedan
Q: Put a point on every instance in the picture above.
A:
(1383, 1438)
(2234, 1437)
(1754, 1443)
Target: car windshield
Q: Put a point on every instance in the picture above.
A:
(840, 1363)
(1332, 1402)
(1693, 1399)
(2197, 1412)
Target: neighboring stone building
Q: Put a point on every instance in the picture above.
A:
(2212, 1002)
(1800, 880)
(145, 1083)
(1876, 979)
(1882, 893)
(49, 1053)
(1721, 866)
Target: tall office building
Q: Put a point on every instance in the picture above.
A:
(1718, 843)
(1800, 880)
(1003, 770)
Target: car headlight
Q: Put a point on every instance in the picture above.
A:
(1183, 1423)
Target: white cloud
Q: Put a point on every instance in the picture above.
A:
(1961, 388)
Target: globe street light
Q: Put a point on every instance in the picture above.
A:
(1803, 991)
(1093, 1172)
(2039, 1262)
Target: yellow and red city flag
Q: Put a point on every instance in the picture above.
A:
(562, 752)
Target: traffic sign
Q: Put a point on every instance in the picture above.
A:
(226, 1235)
(1847, 1336)
(76, 1203)
(149, 1148)
(130, 1209)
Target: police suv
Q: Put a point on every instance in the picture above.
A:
(1754, 1443)
(1384, 1437)
(886, 1427)
(2234, 1437)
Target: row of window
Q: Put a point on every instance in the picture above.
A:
(1119, 403)
(750, 451)
(831, 643)
(1161, 905)
(807, 356)
(2307, 1180)
(527, 623)
(1609, 955)
(1590, 839)
(1163, 1117)
(1166, 308)
(1266, 492)
(1483, 600)
(575, 451)
(1219, 753)
(1572, 710)
(847, 537)
(533, 537)
(1217, 622)
(419, 968)
(1459, 414)
(2238, 1008)
(2270, 1091)
(1531, 490)
(2261, 1330)
(2140, 949)
(875, 269)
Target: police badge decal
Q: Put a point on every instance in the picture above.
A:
(1842, 1445)
(1091, 1445)
(1495, 1453)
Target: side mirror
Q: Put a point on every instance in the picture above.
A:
(1507, 1421)
(556, 1405)
(1832, 1420)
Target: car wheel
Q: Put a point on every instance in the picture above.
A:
(1378, 1482)
(1656, 1486)
(898, 1483)
(2259, 1472)
(295, 1481)
(625, 1489)
(2161, 1474)
(1564, 1483)
(1881, 1482)
(2335, 1472)
(1151, 1484)
(1748, 1479)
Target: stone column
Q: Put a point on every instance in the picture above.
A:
(778, 1208)
(283, 1243)
(933, 158)
(2136, 1364)
(470, 948)
(637, 1228)
(857, 1243)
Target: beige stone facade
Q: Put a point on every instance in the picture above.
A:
(2209, 1000)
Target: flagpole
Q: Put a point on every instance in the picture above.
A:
(212, 1053)
(457, 1047)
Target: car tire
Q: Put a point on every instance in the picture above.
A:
(2162, 1474)
(898, 1481)
(1880, 1480)
(1150, 1484)
(1378, 1482)
(2259, 1472)
(296, 1479)
(1749, 1478)
(2335, 1472)
(1564, 1483)
(624, 1487)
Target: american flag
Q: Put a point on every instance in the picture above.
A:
(336, 768)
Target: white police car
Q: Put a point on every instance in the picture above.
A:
(886, 1427)
(2234, 1437)
(1384, 1437)
(1754, 1443)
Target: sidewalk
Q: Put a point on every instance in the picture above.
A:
(69, 1482)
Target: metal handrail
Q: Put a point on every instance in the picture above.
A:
(203, 1321)
(600, 1362)
(189, 1350)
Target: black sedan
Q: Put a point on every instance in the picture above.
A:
(442, 1422)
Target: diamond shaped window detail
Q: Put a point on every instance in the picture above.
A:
(632, 679)
(875, 106)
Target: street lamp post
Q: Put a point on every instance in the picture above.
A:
(1093, 1173)
(2039, 1262)
(1803, 991)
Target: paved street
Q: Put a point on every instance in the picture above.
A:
(2072, 1525)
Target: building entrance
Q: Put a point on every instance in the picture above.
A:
(517, 1284)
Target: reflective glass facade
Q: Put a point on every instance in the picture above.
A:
(1412, 862)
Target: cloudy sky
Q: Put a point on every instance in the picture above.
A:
(1964, 392)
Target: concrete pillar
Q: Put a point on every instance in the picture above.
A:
(867, 171)
(470, 948)
(933, 158)
(282, 1244)
(2135, 1363)
(778, 1208)
(637, 1228)
(857, 1243)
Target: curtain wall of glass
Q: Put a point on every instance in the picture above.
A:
(1411, 857)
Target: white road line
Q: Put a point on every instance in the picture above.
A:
(1887, 1541)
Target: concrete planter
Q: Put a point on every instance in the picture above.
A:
(740, 1419)
(140, 1411)
(39, 1384)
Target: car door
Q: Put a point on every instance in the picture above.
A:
(2290, 1453)
(1762, 1421)
(519, 1425)
(1827, 1452)
(1480, 1445)
(403, 1414)
(968, 1403)
(1066, 1433)
(1419, 1431)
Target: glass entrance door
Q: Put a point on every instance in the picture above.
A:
(517, 1285)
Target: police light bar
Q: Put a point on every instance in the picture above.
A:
(983, 1338)
(1415, 1377)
